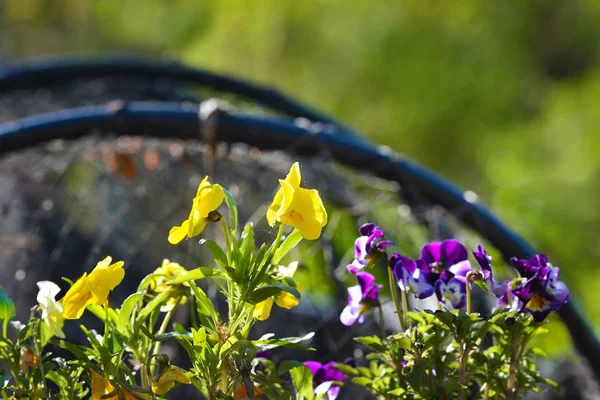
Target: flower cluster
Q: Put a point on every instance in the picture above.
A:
(444, 270)
(539, 290)
(125, 361)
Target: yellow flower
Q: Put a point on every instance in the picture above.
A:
(102, 387)
(167, 271)
(93, 288)
(167, 379)
(287, 300)
(262, 310)
(208, 198)
(298, 207)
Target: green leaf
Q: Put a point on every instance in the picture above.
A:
(302, 379)
(538, 352)
(195, 274)
(363, 381)
(372, 342)
(100, 313)
(264, 292)
(346, 369)
(161, 337)
(396, 392)
(229, 345)
(216, 251)
(152, 305)
(287, 365)
(247, 246)
(416, 377)
(205, 307)
(233, 211)
(7, 307)
(481, 283)
(288, 244)
(124, 322)
(445, 317)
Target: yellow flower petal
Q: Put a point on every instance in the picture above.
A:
(208, 198)
(104, 278)
(298, 207)
(178, 233)
(287, 300)
(304, 210)
(100, 386)
(167, 379)
(93, 288)
(262, 310)
(76, 299)
(293, 178)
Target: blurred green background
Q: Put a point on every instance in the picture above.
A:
(500, 97)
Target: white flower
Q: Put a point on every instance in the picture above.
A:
(52, 311)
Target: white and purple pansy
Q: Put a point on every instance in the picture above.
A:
(323, 373)
(361, 298)
(541, 291)
(446, 259)
(412, 275)
(368, 248)
(485, 262)
(452, 292)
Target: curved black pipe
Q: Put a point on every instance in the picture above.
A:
(46, 71)
(172, 121)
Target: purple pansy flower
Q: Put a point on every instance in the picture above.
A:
(326, 373)
(446, 259)
(361, 298)
(485, 262)
(541, 291)
(263, 354)
(412, 275)
(448, 266)
(509, 301)
(452, 292)
(368, 248)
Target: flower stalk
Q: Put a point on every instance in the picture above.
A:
(392, 283)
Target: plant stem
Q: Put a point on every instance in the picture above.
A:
(275, 244)
(38, 352)
(469, 293)
(510, 384)
(163, 326)
(404, 308)
(105, 323)
(486, 393)
(227, 240)
(462, 370)
(395, 298)
(382, 323)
